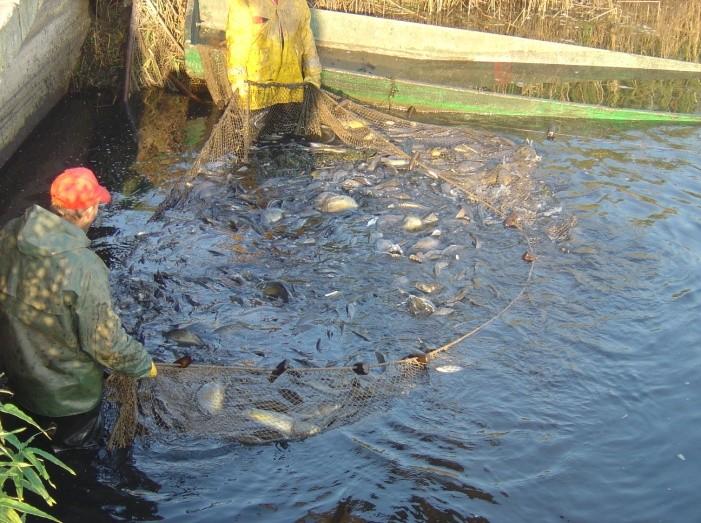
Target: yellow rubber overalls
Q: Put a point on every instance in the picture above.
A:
(270, 41)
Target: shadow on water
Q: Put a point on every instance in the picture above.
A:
(117, 490)
(578, 405)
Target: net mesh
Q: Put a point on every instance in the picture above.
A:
(308, 111)
(486, 168)
(257, 405)
(214, 65)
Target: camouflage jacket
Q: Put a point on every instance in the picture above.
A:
(58, 331)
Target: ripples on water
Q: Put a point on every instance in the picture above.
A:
(579, 405)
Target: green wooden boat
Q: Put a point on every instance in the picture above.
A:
(397, 65)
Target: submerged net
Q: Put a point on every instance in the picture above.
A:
(256, 404)
(461, 159)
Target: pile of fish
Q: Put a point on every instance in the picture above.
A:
(324, 268)
(346, 262)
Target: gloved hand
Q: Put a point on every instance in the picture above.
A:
(153, 372)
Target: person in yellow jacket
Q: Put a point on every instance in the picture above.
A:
(270, 41)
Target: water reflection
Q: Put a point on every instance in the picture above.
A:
(169, 126)
(676, 92)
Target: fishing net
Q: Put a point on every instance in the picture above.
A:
(308, 111)
(484, 167)
(257, 404)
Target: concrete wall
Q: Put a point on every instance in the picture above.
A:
(40, 43)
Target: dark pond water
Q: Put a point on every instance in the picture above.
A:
(579, 404)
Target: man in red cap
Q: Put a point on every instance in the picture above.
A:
(58, 330)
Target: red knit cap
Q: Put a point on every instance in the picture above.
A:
(78, 189)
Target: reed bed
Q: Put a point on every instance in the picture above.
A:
(156, 48)
(102, 56)
(158, 43)
(664, 28)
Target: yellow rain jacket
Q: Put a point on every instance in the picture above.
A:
(271, 41)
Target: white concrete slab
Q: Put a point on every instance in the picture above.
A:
(40, 45)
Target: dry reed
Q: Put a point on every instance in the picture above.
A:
(158, 42)
(668, 29)
(102, 56)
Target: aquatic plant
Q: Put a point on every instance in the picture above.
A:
(23, 468)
